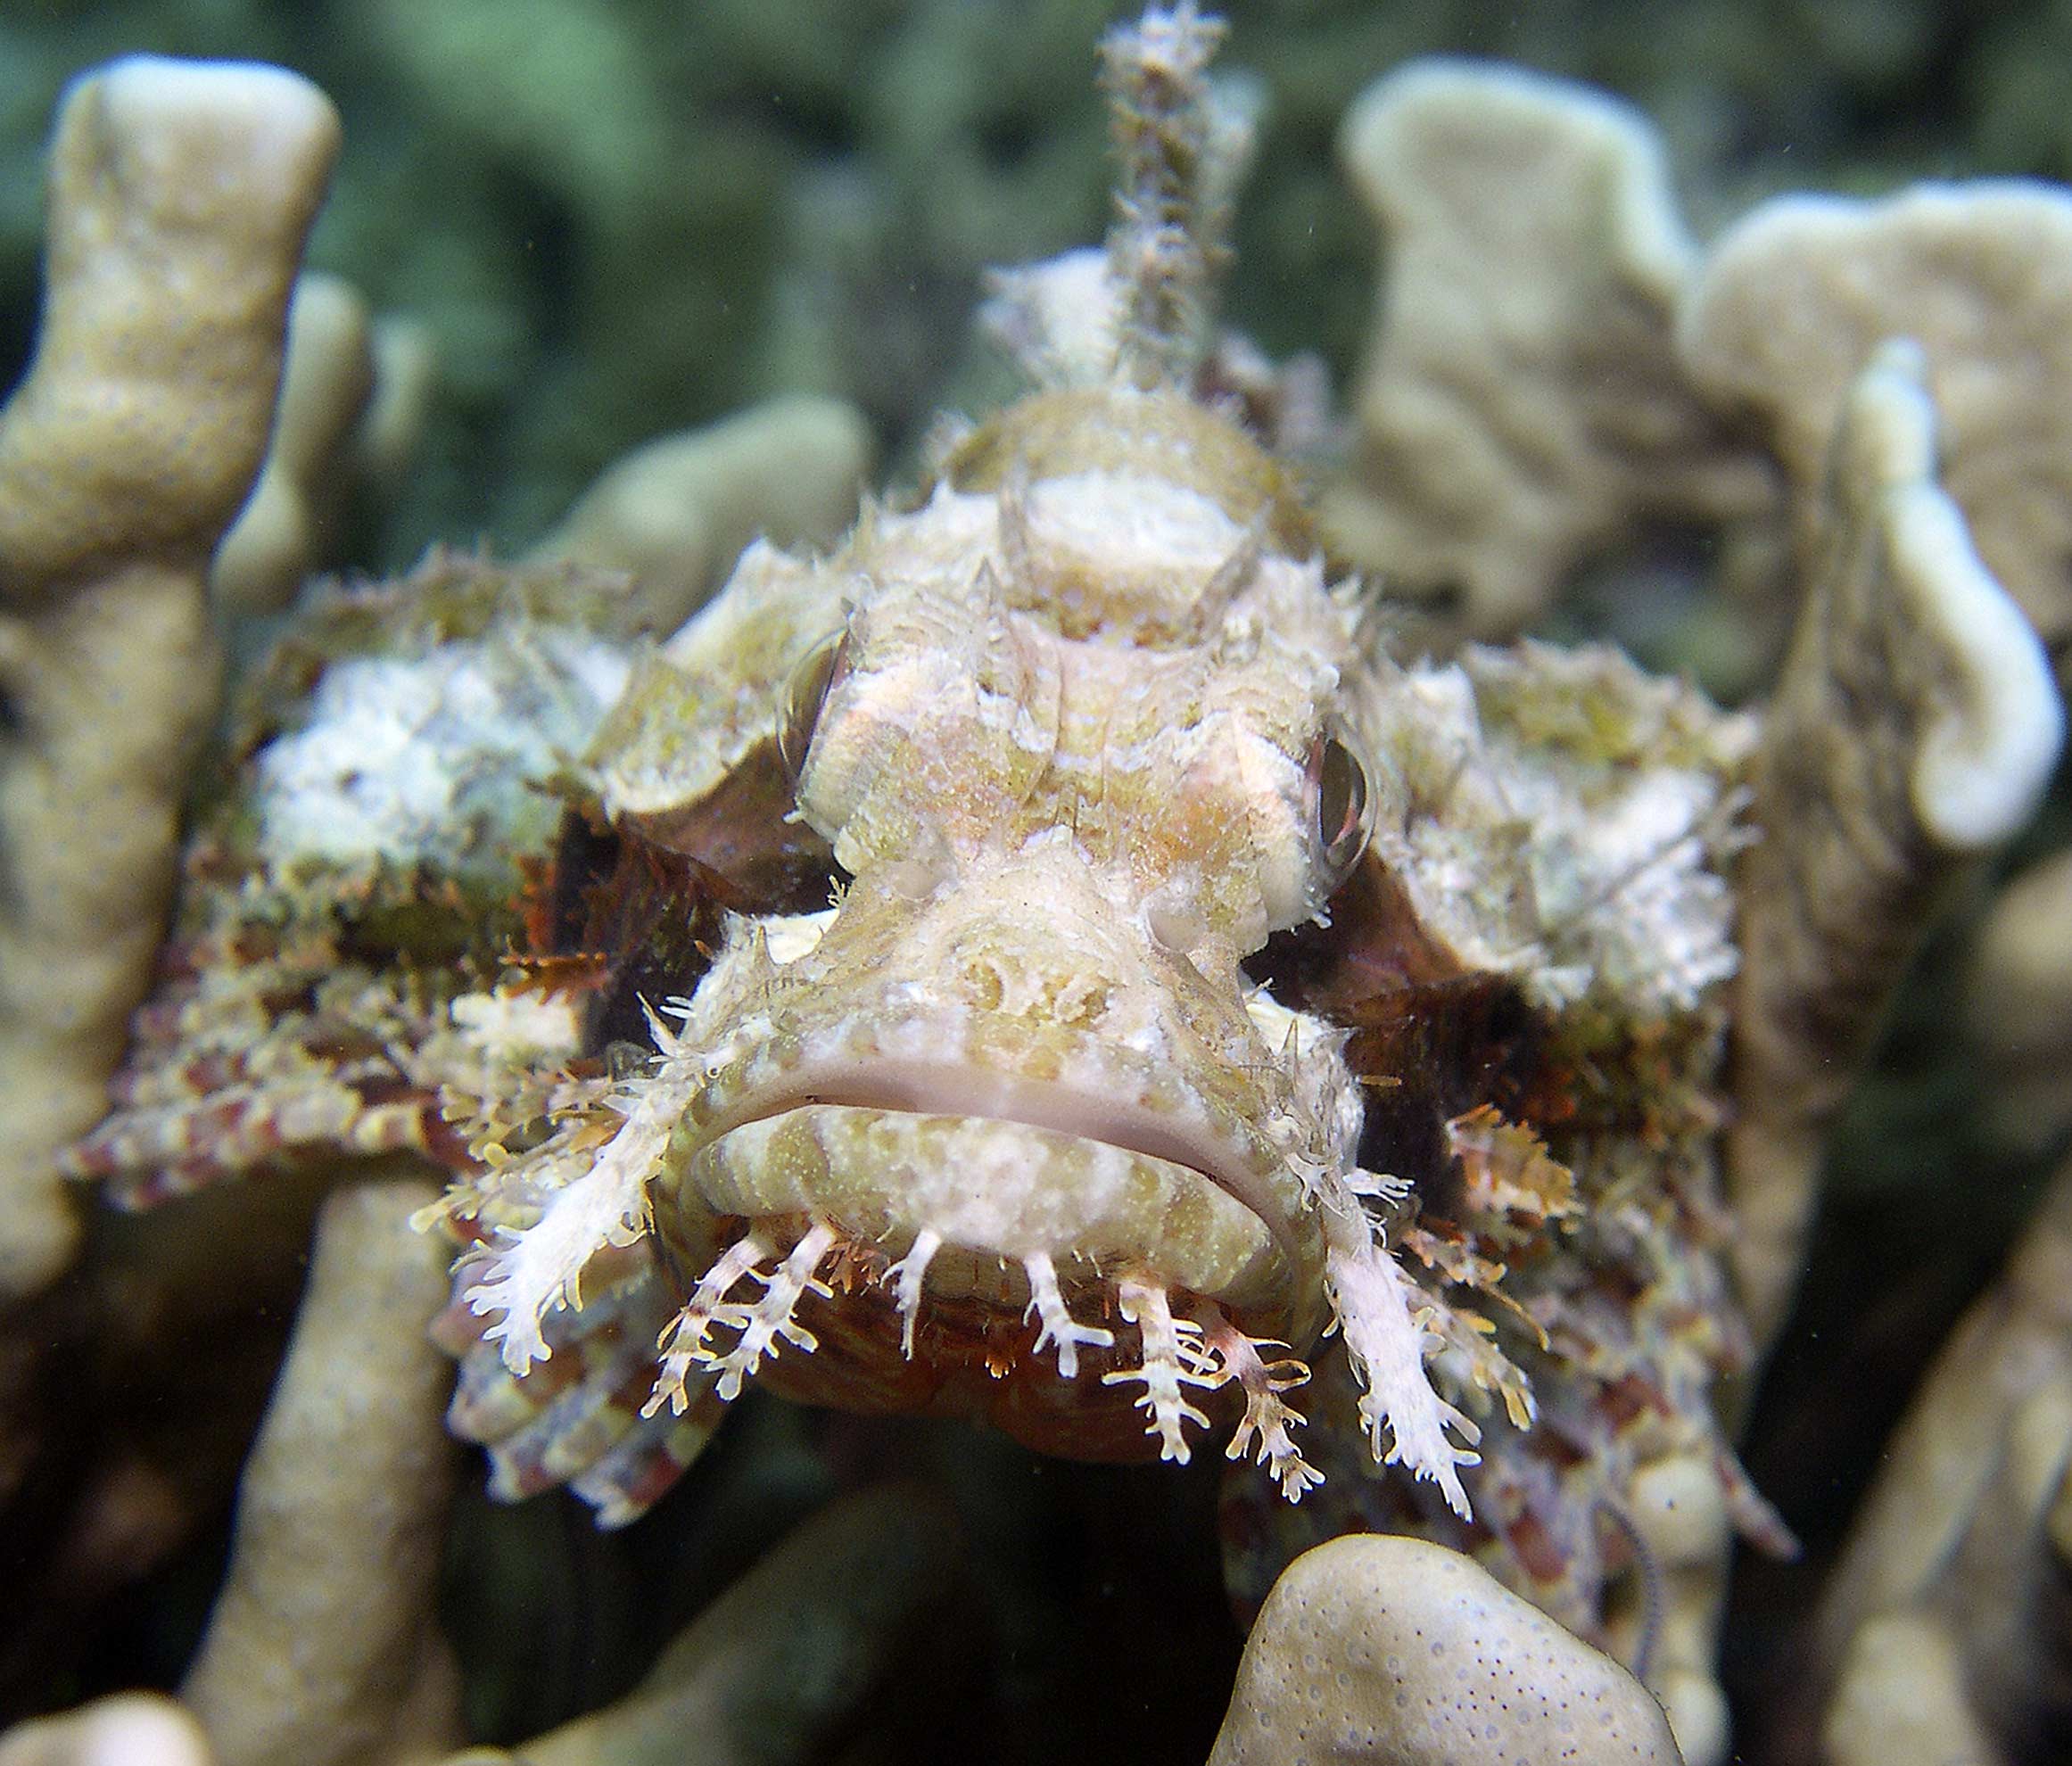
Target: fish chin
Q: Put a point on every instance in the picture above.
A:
(983, 1267)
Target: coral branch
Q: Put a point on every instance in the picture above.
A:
(846, 1592)
(1915, 727)
(180, 194)
(1952, 1586)
(1380, 1648)
(326, 387)
(325, 1622)
(1520, 405)
(676, 513)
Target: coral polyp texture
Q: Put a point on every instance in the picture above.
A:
(1064, 955)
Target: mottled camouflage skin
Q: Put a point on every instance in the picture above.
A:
(1218, 1024)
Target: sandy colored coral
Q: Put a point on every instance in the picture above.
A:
(1521, 404)
(129, 1393)
(326, 381)
(1677, 1515)
(126, 1729)
(406, 378)
(2018, 1003)
(1915, 727)
(1944, 1627)
(1393, 1652)
(676, 513)
(1798, 295)
(332, 394)
(772, 1669)
(180, 194)
(1903, 1701)
(320, 1650)
(775, 1670)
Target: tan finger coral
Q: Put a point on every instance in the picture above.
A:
(320, 1648)
(1946, 1627)
(180, 194)
(777, 1669)
(355, 393)
(774, 1669)
(1914, 730)
(1396, 1652)
(2018, 1004)
(676, 513)
(1796, 297)
(326, 387)
(126, 1729)
(1522, 403)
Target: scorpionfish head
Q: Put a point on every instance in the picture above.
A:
(1012, 1095)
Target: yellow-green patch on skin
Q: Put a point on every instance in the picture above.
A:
(697, 705)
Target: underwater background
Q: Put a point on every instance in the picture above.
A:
(619, 218)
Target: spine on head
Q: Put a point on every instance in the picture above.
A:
(1182, 144)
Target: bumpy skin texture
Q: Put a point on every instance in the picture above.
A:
(1077, 767)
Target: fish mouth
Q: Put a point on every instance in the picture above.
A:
(973, 1214)
(1005, 1142)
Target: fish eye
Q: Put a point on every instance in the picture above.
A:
(1341, 804)
(819, 672)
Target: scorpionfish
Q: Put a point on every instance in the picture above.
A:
(1219, 1020)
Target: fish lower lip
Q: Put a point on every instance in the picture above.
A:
(989, 1184)
(1011, 1073)
(991, 1094)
